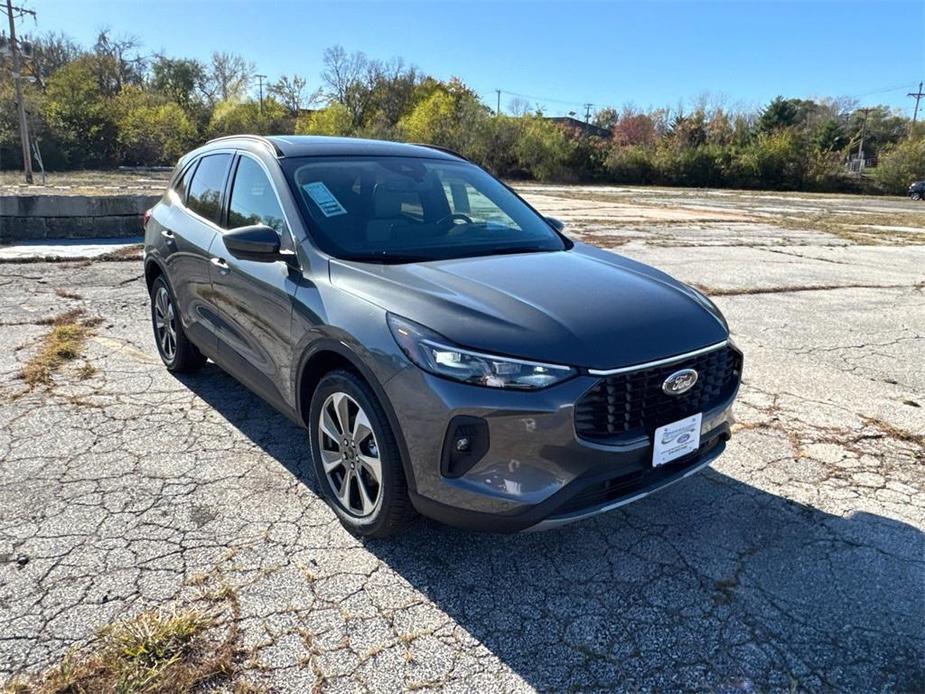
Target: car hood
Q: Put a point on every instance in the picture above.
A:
(582, 307)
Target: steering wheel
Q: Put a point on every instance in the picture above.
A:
(452, 219)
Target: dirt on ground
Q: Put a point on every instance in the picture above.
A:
(113, 182)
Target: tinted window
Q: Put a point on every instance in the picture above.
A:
(253, 200)
(182, 183)
(205, 190)
(403, 209)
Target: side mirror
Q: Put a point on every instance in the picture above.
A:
(258, 242)
(556, 224)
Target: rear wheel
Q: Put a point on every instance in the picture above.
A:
(355, 457)
(175, 349)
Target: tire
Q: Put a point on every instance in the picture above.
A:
(176, 351)
(916, 196)
(360, 473)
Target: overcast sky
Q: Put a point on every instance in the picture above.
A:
(560, 55)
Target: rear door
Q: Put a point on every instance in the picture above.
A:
(190, 234)
(254, 299)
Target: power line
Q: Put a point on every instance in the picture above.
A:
(540, 98)
(884, 90)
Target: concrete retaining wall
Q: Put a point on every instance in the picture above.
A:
(38, 217)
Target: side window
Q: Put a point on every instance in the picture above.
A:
(182, 183)
(252, 198)
(205, 190)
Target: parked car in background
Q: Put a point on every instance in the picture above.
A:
(917, 190)
(449, 350)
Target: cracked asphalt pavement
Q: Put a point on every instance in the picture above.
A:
(795, 563)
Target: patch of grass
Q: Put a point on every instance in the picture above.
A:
(67, 294)
(133, 252)
(68, 316)
(63, 343)
(860, 228)
(155, 652)
(152, 652)
(729, 291)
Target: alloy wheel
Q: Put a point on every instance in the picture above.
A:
(350, 454)
(165, 323)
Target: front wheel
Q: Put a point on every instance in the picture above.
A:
(355, 457)
(916, 196)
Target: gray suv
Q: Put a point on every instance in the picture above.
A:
(449, 350)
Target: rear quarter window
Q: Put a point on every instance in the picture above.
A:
(181, 185)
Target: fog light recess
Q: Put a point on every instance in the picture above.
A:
(465, 444)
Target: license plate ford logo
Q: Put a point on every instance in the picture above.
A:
(680, 382)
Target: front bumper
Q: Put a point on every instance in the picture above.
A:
(537, 472)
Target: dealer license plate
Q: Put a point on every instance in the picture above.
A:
(676, 440)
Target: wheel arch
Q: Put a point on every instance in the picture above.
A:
(153, 270)
(328, 355)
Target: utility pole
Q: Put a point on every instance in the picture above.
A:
(498, 110)
(917, 95)
(588, 112)
(17, 79)
(865, 111)
(260, 79)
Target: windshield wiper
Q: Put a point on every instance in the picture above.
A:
(388, 258)
(529, 249)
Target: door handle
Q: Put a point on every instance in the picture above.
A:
(167, 234)
(221, 265)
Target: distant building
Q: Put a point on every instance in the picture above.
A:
(857, 164)
(580, 126)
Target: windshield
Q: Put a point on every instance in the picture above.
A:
(404, 209)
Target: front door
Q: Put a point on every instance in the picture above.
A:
(254, 299)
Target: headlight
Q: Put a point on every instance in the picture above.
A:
(437, 355)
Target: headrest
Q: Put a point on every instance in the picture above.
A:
(387, 200)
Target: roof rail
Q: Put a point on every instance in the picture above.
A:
(265, 141)
(445, 150)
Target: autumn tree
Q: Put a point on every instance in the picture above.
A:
(182, 80)
(80, 114)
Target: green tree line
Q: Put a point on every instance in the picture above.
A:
(110, 104)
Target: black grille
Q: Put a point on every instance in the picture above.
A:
(632, 404)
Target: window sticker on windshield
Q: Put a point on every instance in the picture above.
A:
(324, 198)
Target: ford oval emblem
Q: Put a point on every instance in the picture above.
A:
(680, 382)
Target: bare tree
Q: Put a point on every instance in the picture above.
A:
(230, 75)
(117, 61)
(342, 71)
(292, 92)
(518, 106)
(351, 80)
(50, 51)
